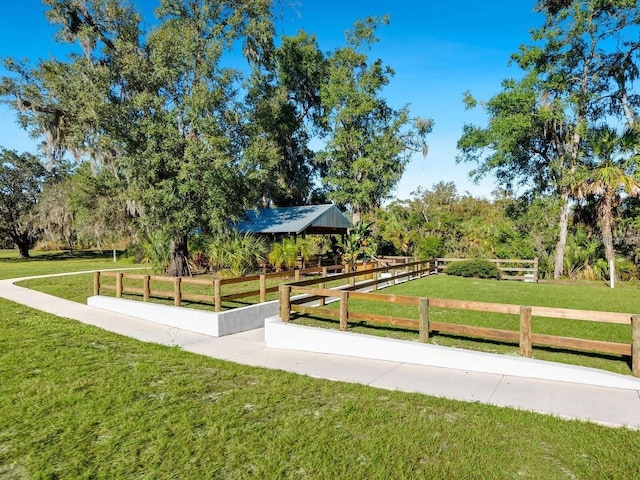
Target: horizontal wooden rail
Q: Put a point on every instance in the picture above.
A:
(492, 260)
(374, 271)
(384, 319)
(197, 297)
(581, 344)
(235, 296)
(474, 306)
(586, 315)
(381, 297)
(363, 317)
(511, 336)
(504, 265)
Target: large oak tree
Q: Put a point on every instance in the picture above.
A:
(157, 108)
(22, 178)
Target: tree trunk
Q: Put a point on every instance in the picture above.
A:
(606, 215)
(562, 240)
(356, 215)
(23, 249)
(179, 260)
(22, 241)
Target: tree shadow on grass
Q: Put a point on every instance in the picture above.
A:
(64, 255)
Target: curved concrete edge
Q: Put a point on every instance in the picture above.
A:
(278, 334)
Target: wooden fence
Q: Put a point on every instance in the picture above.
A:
(371, 276)
(215, 298)
(510, 269)
(368, 273)
(524, 337)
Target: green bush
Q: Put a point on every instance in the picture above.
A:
(473, 268)
(286, 252)
(240, 253)
(156, 247)
(429, 247)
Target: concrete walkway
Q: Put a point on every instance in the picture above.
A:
(607, 406)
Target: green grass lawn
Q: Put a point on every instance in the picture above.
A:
(592, 296)
(43, 263)
(79, 402)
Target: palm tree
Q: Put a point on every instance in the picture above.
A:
(284, 253)
(611, 172)
(304, 249)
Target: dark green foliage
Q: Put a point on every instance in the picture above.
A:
(22, 177)
(240, 253)
(429, 247)
(371, 142)
(360, 245)
(284, 111)
(157, 108)
(473, 268)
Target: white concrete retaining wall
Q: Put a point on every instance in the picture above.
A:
(216, 324)
(298, 337)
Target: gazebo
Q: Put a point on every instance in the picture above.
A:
(302, 220)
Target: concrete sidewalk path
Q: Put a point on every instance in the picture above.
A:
(607, 406)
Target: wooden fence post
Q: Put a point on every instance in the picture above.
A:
(296, 275)
(96, 283)
(535, 269)
(146, 288)
(344, 310)
(285, 303)
(322, 302)
(393, 276)
(263, 288)
(119, 285)
(375, 281)
(525, 332)
(217, 295)
(635, 345)
(177, 294)
(424, 320)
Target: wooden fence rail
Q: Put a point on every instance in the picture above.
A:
(525, 338)
(216, 297)
(510, 269)
(357, 279)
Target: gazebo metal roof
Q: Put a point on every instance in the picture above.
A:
(322, 219)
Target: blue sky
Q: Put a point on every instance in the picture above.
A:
(437, 49)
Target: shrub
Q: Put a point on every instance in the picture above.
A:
(238, 252)
(473, 268)
(286, 252)
(198, 246)
(157, 248)
(360, 244)
(429, 247)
